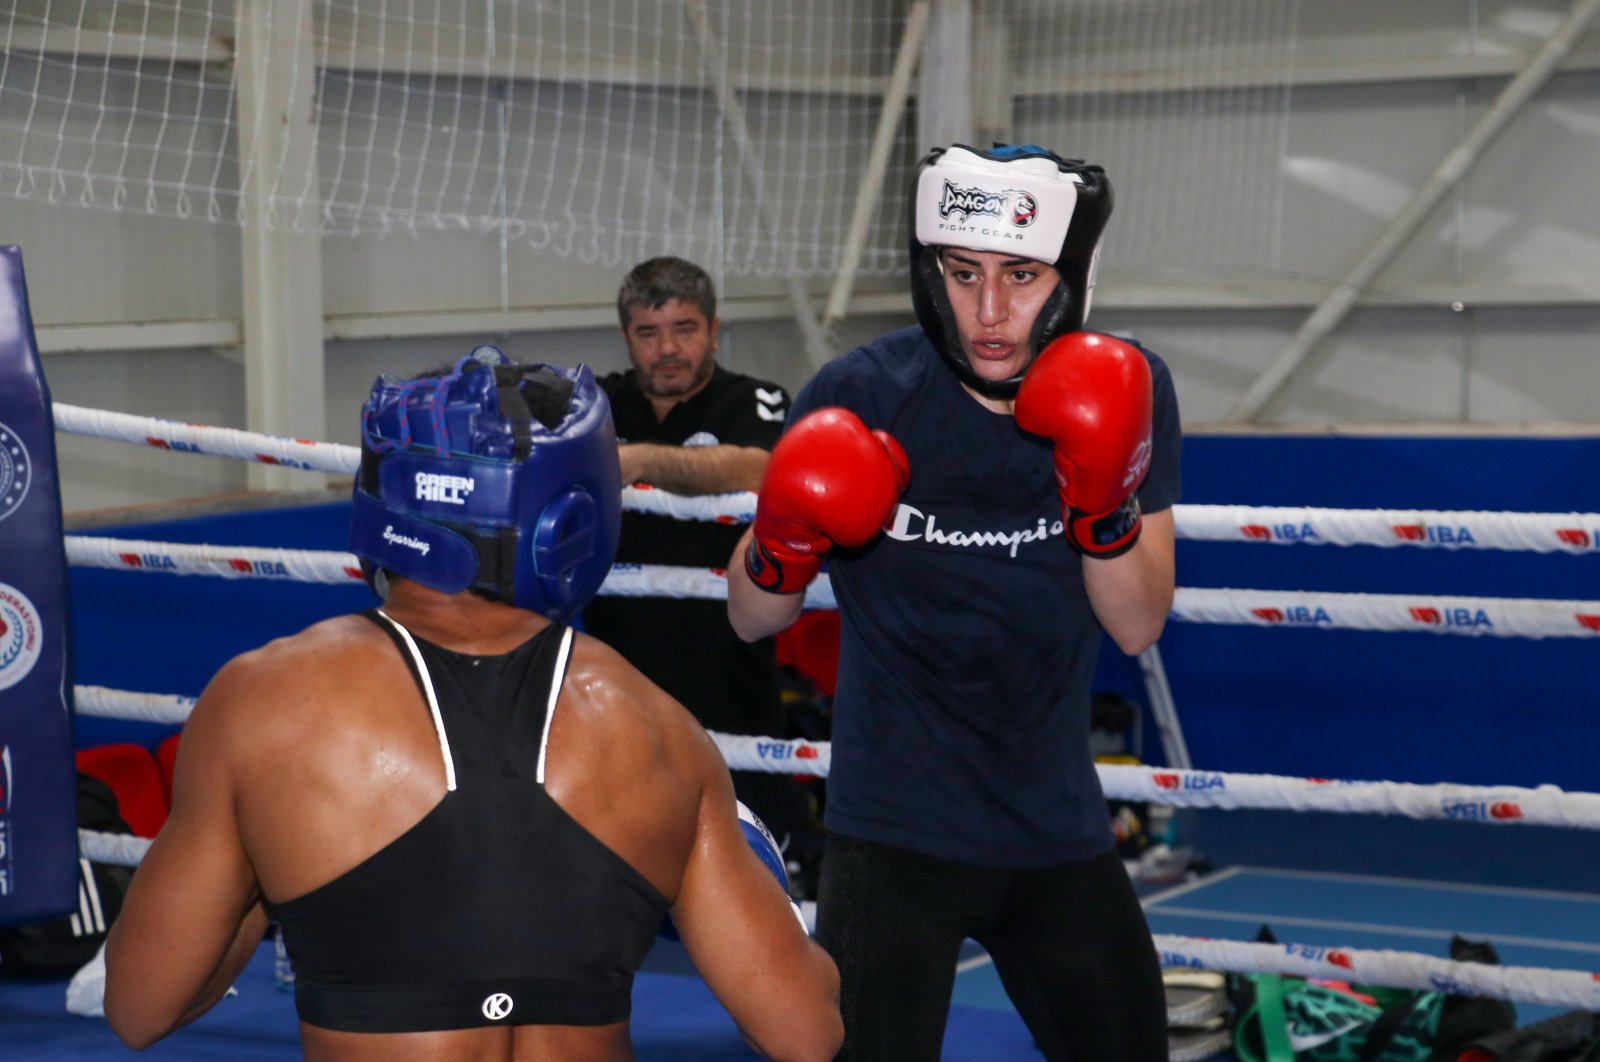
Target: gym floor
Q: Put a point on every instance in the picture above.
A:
(676, 1017)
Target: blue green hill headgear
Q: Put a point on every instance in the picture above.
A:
(1015, 199)
(494, 477)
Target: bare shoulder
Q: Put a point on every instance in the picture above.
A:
(615, 698)
(629, 763)
(269, 691)
(321, 649)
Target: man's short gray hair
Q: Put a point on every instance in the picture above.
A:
(656, 282)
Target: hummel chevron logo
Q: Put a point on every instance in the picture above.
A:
(769, 404)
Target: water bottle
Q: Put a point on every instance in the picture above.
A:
(282, 968)
(1163, 826)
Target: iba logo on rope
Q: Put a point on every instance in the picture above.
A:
(19, 636)
(16, 471)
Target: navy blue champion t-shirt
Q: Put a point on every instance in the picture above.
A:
(961, 719)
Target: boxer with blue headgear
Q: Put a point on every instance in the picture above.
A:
(468, 818)
(493, 477)
(1015, 199)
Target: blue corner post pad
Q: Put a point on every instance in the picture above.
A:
(38, 791)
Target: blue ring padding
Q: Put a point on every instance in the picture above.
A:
(38, 799)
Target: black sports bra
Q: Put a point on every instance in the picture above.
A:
(495, 908)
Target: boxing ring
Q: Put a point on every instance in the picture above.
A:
(1492, 806)
(1180, 786)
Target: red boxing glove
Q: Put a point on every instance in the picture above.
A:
(1090, 395)
(829, 481)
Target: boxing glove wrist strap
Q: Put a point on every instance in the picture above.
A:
(1105, 535)
(779, 572)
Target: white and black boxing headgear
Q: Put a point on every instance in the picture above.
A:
(1014, 199)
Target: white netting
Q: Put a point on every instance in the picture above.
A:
(734, 133)
(1151, 87)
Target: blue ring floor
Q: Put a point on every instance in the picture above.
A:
(676, 1017)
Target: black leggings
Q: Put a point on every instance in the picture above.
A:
(1069, 942)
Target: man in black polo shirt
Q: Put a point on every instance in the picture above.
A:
(688, 426)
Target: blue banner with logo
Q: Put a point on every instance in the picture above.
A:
(38, 801)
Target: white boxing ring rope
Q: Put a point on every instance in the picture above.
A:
(1423, 528)
(1439, 614)
(1485, 804)
(1503, 805)
(1500, 804)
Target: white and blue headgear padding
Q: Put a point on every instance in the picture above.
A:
(1014, 199)
(495, 477)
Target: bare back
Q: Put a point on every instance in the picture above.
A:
(317, 754)
(346, 759)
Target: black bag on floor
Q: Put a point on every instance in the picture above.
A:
(1570, 1037)
(1469, 1018)
(57, 947)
